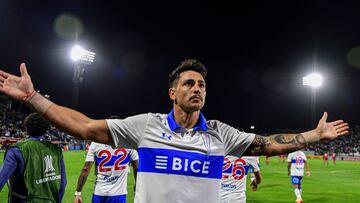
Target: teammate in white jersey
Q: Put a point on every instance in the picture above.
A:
(235, 170)
(180, 153)
(255, 177)
(296, 163)
(112, 165)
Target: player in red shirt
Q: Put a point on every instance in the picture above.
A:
(325, 159)
(282, 158)
(333, 157)
(267, 160)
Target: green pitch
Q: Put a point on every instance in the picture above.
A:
(74, 161)
(338, 183)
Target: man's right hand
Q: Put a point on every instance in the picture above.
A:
(253, 185)
(19, 88)
(77, 199)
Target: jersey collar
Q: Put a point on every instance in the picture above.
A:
(200, 125)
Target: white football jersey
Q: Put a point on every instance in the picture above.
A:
(111, 168)
(235, 170)
(178, 164)
(297, 160)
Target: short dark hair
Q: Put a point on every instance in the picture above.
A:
(185, 65)
(36, 125)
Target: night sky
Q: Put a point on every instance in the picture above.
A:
(256, 54)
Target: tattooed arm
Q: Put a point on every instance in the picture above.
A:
(285, 143)
(275, 144)
(82, 179)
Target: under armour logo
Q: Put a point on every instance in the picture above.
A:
(166, 136)
(48, 164)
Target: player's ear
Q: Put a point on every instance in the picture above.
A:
(171, 93)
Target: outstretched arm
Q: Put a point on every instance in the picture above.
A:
(68, 120)
(78, 125)
(285, 143)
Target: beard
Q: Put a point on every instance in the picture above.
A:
(190, 108)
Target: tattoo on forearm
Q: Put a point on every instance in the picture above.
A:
(276, 144)
(259, 145)
(289, 138)
(83, 176)
(81, 182)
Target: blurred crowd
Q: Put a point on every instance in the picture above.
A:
(12, 129)
(11, 123)
(11, 126)
(349, 144)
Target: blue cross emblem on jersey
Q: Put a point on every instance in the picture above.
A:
(165, 136)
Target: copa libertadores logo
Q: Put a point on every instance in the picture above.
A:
(49, 171)
(48, 164)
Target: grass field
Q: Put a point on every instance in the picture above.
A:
(74, 161)
(338, 183)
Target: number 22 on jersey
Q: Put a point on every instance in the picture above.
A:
(110, 160)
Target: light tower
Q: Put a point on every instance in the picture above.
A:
(314, 81)
(81, 58)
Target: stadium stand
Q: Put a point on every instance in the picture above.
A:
(12, 129)
(349, 145)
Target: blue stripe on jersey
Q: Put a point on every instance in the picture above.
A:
(168, 161)
(112, 160)
(299, 161)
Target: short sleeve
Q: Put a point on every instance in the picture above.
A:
(254, 164)
(90, 156)
(235, 141)
(127, 133)
(133, 155)
(304, 157)
(289, 157)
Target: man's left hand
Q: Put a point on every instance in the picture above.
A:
(331, 130)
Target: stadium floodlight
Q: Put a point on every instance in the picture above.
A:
(78, 54)
(81, 58)
(313, 80)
